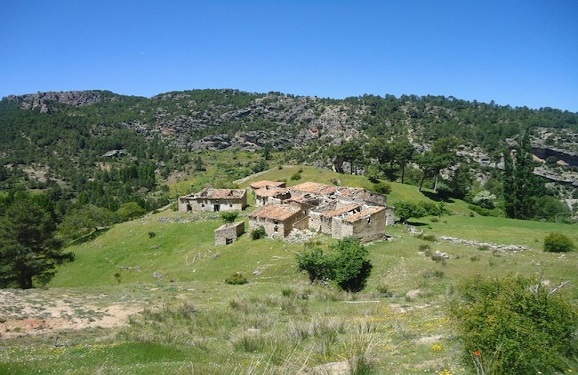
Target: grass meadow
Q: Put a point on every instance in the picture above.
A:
(190, 321)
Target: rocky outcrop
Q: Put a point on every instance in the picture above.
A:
(42, 101)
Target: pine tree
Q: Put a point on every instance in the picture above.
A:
(522, 187)
(28, 246)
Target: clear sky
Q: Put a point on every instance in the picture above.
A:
(515, 52)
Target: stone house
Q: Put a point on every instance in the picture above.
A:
(314, 188)
(277, 219)
(361, 196)
(264, 184)
(210, 199)
(366, 225)
(228, 233)
(320, 218)
(270, 195)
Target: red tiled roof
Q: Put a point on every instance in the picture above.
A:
(211, 193)
(275, 212)
(265, 183)
(314, 188)
(363, 214)
(270, 192)
(342, 210)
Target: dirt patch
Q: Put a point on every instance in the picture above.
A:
(37, 312)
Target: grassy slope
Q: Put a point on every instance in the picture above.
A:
(405, 335)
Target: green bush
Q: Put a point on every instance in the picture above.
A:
(382, 188)
(346, 264)
(406, 210)
(296, 176)
(229, 216)
(236, 279)
(514, 326)
(558, 243)
(258, 233)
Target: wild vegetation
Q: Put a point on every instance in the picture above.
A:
(188, 318)
(92, 177)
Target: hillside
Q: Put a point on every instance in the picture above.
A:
(184, 318)
(104, 149)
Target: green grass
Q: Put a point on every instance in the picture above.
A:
(277, 323)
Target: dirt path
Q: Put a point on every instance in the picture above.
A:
(42, 312)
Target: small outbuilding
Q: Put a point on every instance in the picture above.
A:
(228, 233)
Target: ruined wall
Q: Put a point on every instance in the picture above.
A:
(204, 204)
(389, 216)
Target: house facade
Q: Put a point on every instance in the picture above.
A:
(271, 195)
(365, 225)
(277, 219)
(210, 199)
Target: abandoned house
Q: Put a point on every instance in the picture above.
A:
(321, 217)
(366, 225)
(210, 199)
(228, 233)
(341, 219)
(264, 184)
(278, 220)
(270, 195)
(314, 188)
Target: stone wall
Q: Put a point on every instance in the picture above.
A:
(228, 233)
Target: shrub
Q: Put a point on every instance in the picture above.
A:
(229, 216)
(315, 263)
(296, 176)
(347, 264)
(433, 209)
(484, 199)
(558, 243)
(351, 268)
(424, 247)
(236, 279)
(258, 233)
(382, 188)
(407, 210)
(514, 326)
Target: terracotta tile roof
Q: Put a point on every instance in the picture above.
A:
(275, 212)
(363, 214)
(342, 210)
(270, 192)
(211, 193)
(304, 198)
(314, 188)
(265, 183)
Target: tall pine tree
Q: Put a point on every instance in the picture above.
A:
(522, 187)
(28, 247)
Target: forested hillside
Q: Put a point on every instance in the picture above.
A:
(103, 149)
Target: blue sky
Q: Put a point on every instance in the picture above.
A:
(518, 53)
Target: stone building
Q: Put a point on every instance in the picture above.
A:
(320, 218)
(270, 195)
(277, 219)
(210, 199)
(366, 225)
(264, 184)
(228, 233)
(341, 219)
